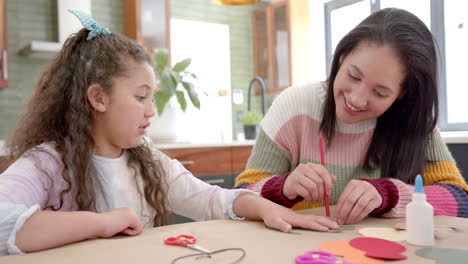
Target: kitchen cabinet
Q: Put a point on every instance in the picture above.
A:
(3, 46)
(214, 165)
(147, 22)
(282, 44)
(4, 163)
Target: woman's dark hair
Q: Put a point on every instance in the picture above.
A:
(404, 130)
(60, 113)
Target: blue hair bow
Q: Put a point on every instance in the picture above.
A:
(89, 23)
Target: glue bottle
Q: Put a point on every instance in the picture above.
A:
(419, 218)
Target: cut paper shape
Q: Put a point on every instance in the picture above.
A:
(274, 229)
(339, 230)
(345, 250)
(379, 248)
(440, 231)
(384, 233)
(444, 255)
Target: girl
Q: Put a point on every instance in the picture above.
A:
(377, 112)
(82, 168)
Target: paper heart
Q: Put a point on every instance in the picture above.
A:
(378, 248)
(384, 233)
(444, 255)
(343, 249)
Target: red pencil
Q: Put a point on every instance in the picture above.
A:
(322, 161)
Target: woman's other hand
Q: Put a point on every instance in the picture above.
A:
(310, 181)
(357, 201)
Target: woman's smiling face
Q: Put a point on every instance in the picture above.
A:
(368, 82)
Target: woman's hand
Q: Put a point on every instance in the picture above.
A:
(121, 220)
(310, 181)
(357, 201)
(277, 216)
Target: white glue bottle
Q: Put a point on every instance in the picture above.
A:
(419, 218)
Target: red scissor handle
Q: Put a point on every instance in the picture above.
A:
(180, 240)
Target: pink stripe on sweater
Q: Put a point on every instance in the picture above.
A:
(299, 137)
(258, 186)
(440, 198)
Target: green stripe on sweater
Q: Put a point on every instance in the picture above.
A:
(268, 157)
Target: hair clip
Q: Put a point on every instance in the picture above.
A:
(89, 23)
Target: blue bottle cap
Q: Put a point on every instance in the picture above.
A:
(418, 184)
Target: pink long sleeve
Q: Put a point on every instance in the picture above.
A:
(35, 178)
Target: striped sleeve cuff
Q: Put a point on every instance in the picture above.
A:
(461, 197)
(389, 193)
(273, 191)
(444, 198)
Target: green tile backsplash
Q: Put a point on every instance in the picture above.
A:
(30, 20)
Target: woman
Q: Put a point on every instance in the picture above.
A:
(377, 112)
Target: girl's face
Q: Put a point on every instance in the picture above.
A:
(128, 109)
(368, 82)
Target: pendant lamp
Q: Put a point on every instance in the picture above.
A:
(235, 2)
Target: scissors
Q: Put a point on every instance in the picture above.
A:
(185, 241)
(319, 257)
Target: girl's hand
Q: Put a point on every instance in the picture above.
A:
(310, 181)
(277, 216)
(285, 219)
(357, 201)
(121, 220)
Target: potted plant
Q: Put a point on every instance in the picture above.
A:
(173, 81)
(251, 120)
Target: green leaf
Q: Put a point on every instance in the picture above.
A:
(168, 84)
(169, 81)
(176, 77)
(192, 94)
(161, 57)
(182, 65)
(161, 99)
(181, 98)
(251, 118)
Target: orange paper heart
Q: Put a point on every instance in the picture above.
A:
(345, 250)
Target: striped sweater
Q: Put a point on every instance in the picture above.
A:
(289, 136)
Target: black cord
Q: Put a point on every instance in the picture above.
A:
(212, 253)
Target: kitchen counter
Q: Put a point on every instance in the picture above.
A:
(185, 145)
(452, 137)
(455, 137)
(176, 145)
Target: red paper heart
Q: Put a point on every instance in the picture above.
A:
(379, 248)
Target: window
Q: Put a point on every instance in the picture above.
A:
(447, 20)
(340, 18)
(456, 56)
(211, 62)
